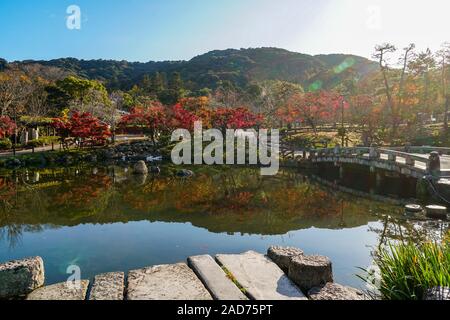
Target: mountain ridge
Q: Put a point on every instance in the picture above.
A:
(240, 67)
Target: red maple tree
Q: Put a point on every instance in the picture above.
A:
(236, 118)
(312, 108)
(151, 120)
(83, 127)
(7, 127)
(182, 118)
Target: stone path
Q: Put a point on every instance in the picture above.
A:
(108, 286)
(166, 282)
(247, 276)
(215, 279)
(261, 278)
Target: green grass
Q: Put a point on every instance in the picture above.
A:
(234, 280)
(408, 270)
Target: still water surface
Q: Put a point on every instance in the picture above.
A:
(106, 219)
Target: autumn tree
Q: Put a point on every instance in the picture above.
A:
(7, 127)
(83, 127)
(422, 67)
(181, 118)
(311, 108)
(443, 57)
(381, 54)
(14, 91)
(235, 118)
(274, 95)
(408, 53)
(151, 120)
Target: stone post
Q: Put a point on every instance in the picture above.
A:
(34, 134)
(337, 150)
(392, 157)
(434, 163)
(409, 161)
(373, 152)
(24, 137)
(407, 147)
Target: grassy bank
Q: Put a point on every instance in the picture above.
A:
(407, 271)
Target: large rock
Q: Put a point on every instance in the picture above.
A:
(215, 279)
(334, 291)
(260, 277)
(438, 293)
(166, 282)
(140, 168)
(310, 271)
(282, 256)
(20, 277)
(108, 286)
(76, 291)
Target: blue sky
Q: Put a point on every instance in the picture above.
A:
(143, 30)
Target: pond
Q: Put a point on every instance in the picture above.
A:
(105, 219)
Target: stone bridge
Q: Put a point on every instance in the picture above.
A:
(416, 162)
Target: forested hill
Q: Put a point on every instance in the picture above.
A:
(240, 67)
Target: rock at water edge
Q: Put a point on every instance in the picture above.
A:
(20, 277)
(75, 291)
(282, 256)
(334, 291)
(310, 271)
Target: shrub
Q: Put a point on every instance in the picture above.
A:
(5, 144)
(44, 141)
(408, 270)
(35, 143)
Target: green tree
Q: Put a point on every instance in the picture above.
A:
(78, 89)
(176, 83)
(174, 92)
(146, 84)
(157, 83)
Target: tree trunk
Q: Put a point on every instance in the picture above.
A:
(447, 106)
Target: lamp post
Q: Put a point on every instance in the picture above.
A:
(15, 130)
(342, 121)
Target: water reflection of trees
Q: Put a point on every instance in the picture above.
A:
(401, 229)
(220, 200)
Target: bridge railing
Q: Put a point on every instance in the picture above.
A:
(410, 159)
(421, 149)
(373, 153)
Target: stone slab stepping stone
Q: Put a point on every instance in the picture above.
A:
(260, 277)
(166, 282)
(334, 291)
(108, 286)
(20, 277)
(215, 279)
(61, 291)
(282, 256)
